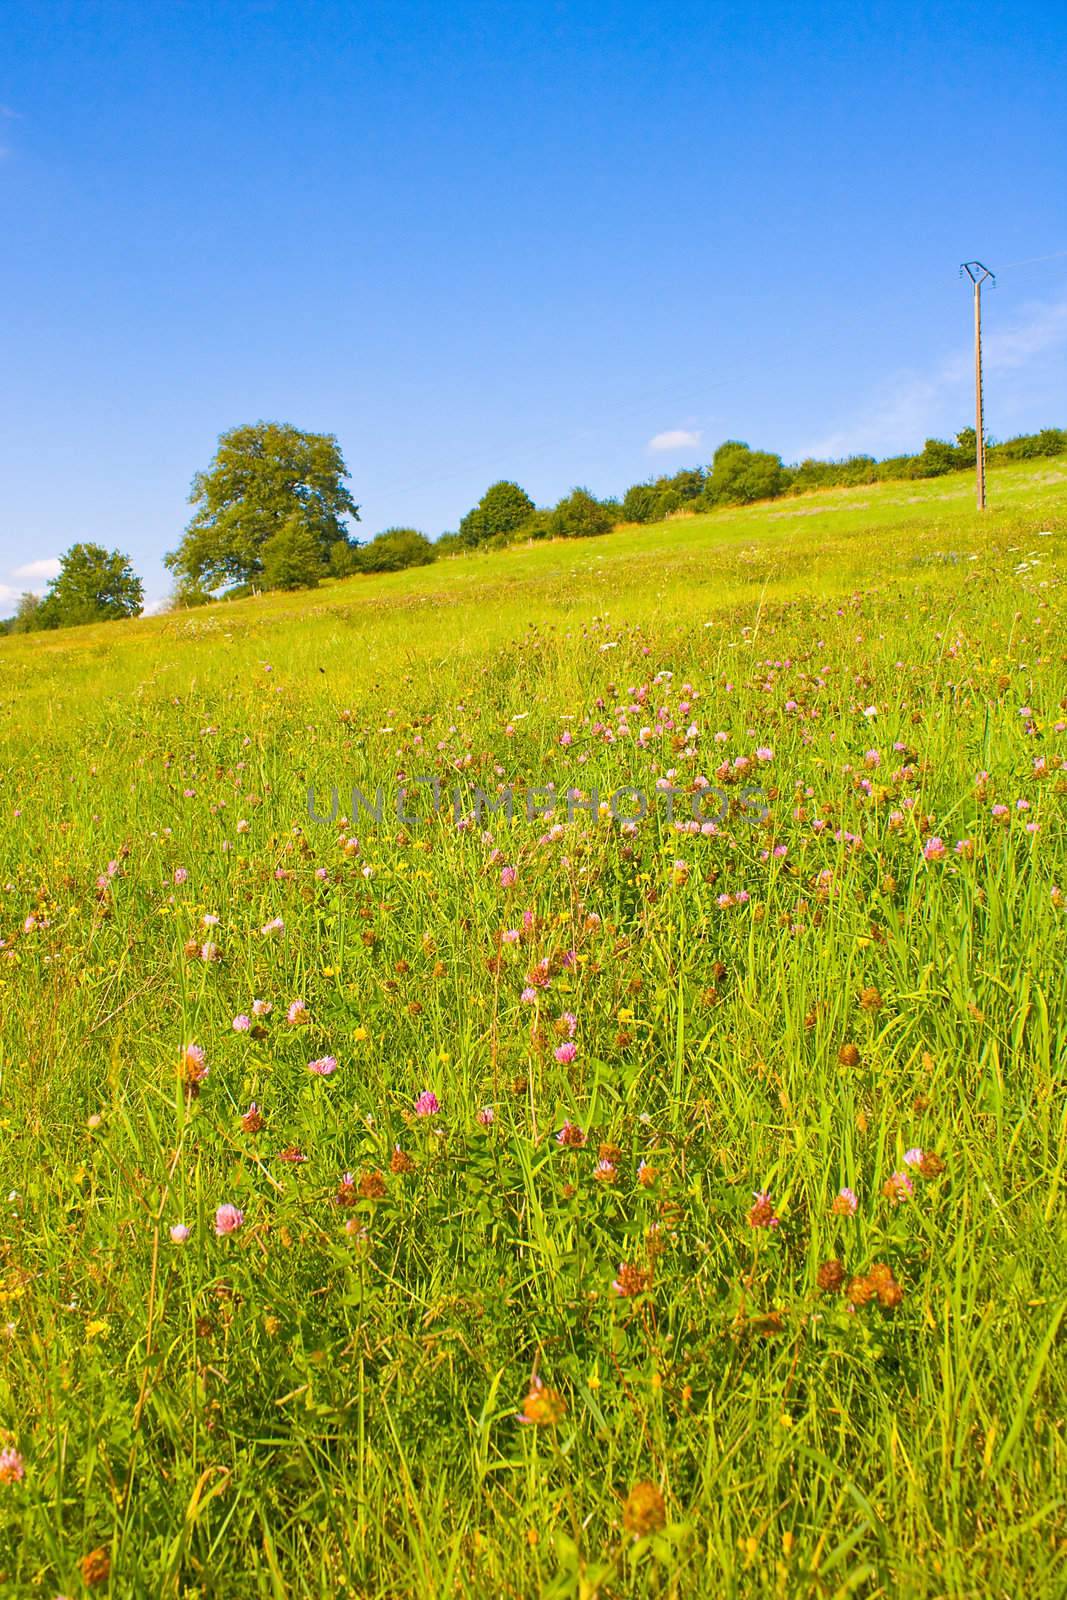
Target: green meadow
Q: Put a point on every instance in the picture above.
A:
(561, 1205)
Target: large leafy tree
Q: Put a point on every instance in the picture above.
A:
(503, 508)
(269, 481)
(93, 585)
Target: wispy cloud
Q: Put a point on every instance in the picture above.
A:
(8, 114)
(913, 402)
(7, 593)
(675, 439)
(1045, 328)
(46, 567)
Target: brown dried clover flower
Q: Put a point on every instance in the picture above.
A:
(830, 1276)
(643, 1511)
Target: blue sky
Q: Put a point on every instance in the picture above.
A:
(484, 240)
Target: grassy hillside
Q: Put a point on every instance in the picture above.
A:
(586, 1208)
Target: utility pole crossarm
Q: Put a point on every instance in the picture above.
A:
(978, 275)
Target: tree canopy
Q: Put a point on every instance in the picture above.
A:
(503, 509)
(268, 481)
(292, 557)
(93, 585)
(740, 475)
(27, 613)
(652, 502)
(580, 515)
(394, 550)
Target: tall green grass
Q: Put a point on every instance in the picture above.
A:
(328, 1400)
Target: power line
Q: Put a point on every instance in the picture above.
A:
(536, 447)
(1032, 261)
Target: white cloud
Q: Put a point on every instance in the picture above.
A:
(912, 402)
(675, 439)
(152, 608)
(46, 567)
(7, 593)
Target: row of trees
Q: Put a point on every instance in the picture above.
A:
(506, 512)
(737, 475)
(273, 511)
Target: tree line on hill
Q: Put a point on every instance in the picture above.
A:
(273, 511)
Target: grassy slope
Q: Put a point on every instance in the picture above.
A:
(295, 1411)
(820, 543)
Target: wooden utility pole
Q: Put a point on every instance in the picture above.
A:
(978, 275)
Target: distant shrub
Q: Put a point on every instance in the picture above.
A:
(812, 474)
(188, 595)
(740, 475)
(689, 484)
(1030, 446)
(893, 467)
(935, 459)
(396, 549)
(966, 447)
(27, 614)
(640, 503)
(537, 526)
(344, 557)
(503, 509)
(655, 500)
(581, 515)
